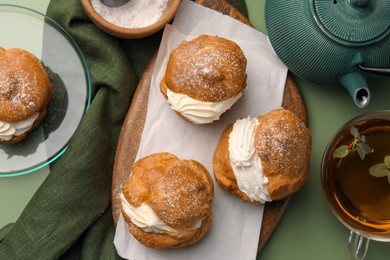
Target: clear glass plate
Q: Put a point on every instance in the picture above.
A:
(25, 28)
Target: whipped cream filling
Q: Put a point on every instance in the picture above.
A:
(9, 130)
(196, 111)
(245, 162)
(145, 218)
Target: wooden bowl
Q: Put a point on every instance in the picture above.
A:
(130, 33)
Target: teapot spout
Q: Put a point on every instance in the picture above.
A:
(357, 87)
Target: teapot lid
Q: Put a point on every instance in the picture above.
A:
(353, 22)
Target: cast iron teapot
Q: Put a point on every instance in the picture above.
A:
(332, 42)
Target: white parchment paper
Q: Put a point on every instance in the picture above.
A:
(235, 229)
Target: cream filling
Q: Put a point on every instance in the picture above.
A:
(145, 218)
(9, 130)
(196, 111)
(245, 162)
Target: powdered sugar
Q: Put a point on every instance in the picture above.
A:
(134, 14)
(207, 68)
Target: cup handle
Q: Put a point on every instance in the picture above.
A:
(357, 246)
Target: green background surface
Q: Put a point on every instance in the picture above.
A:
(16, 192)
(308, 229)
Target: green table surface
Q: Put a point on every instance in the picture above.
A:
(308, 229)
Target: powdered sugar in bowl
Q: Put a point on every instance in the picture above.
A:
(133, 20)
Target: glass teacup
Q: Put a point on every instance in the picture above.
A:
(355, 176)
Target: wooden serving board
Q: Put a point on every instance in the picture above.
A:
(132, 129)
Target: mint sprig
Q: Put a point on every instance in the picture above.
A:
(381, 169)
(359, 145)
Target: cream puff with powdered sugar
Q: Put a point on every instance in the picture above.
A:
(265, 158)
(166, 202)
(204, 78)
(25, 92)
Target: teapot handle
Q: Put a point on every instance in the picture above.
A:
(379, 71)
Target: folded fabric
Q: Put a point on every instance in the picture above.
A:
(69, 217)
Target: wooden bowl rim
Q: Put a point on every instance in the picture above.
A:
(130, 33)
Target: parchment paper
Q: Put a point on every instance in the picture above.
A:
(235, 229)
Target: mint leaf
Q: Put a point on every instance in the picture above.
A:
(367, 149)
(379, 170)
(355, 132)
(361, 151)
(341, 151)
(387, 161)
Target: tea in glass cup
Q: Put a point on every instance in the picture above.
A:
(355, 176)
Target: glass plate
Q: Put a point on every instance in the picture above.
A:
(25, 28)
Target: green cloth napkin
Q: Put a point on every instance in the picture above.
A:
(69, 217)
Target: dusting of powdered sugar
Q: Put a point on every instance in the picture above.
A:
(134, 14)
(16, 94)
(183, 199)
(282, 145)
(208, 68)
